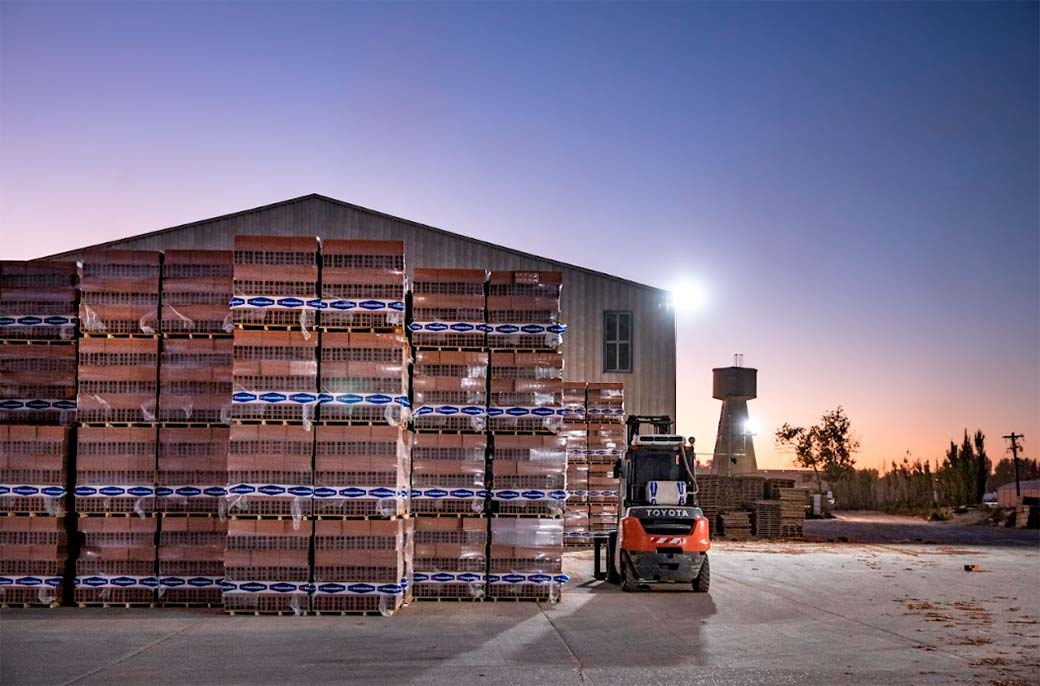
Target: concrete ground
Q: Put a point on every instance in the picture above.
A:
(865, 612)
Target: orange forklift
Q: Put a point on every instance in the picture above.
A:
(662, 535)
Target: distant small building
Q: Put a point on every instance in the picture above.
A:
(1007, 496)
(803, 478)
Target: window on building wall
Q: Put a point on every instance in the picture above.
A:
(617, 341)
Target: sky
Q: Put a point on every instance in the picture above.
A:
(854, 187)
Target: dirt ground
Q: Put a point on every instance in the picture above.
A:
(877, 527)
(874, 611)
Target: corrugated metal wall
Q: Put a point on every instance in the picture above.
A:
(650, 389)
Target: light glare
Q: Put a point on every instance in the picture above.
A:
(688, 296)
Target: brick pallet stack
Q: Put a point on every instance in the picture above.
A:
(271, 442)
(449, 450)
(196, 289)
(37, 381)
(606, 403)
(116, 462)
(525, 413)
(38, 301)
(364, 377)
(275, 282)
(448, 309)
(38, 316)
(606, 445)
(577, 529)
(362, 534)
(363, 284)
(195, 388)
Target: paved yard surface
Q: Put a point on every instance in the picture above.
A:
(784, 613)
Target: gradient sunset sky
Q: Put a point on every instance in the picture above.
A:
(854, 186)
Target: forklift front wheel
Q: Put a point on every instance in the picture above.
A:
(612, 573)
(703, 581)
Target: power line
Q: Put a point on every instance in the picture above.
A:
(1013, 437)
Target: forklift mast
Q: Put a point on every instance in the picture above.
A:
(662, 425)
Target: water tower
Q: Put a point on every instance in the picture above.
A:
(734, 446)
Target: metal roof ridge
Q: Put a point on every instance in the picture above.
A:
(326, 198)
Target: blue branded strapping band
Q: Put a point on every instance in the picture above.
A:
(367, 305)
(450, 411)
(36, 404)
(437, 493)
(229, 587)
(359, 493)
(529, 495)
(303, 398)
(29, 581)
(514, 578)
(440, 577)
(200, 582)
(250, 587)
(607, 411)
(530, 329)
(265, 302)
(517, 411)
(117, 581)
(449, 327)
(605, 451)
(271, 490)
(363, 399)
(37, 320)
(31, 490)
(191, 491)
(114, 491)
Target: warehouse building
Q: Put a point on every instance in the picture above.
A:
(618, 330)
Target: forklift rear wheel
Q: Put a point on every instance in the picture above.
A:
(703, 580)
(612, 573)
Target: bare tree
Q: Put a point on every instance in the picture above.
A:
(827, 446)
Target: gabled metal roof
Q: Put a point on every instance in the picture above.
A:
(325, 198)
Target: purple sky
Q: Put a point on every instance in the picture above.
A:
(855, 185)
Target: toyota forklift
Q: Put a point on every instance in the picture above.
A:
(662, 535)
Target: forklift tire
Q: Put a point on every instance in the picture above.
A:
(629, 581)
(703, 580)
(612, 573)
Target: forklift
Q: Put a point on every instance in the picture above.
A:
(662, 535)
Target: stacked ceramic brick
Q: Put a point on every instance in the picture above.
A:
(606, 445)
(32, 559)
(525, 415)
(363, 285)
(449, 450)
(118, 391)
(195, 388)
(38, 301)
(362, 537)
(577, 529)
(275, 282)
(37, 396)
(271, 442)
(37, 401)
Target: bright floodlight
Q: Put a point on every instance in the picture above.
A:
(688, 296)
(751, 427)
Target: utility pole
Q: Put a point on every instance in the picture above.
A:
(1013, 437)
